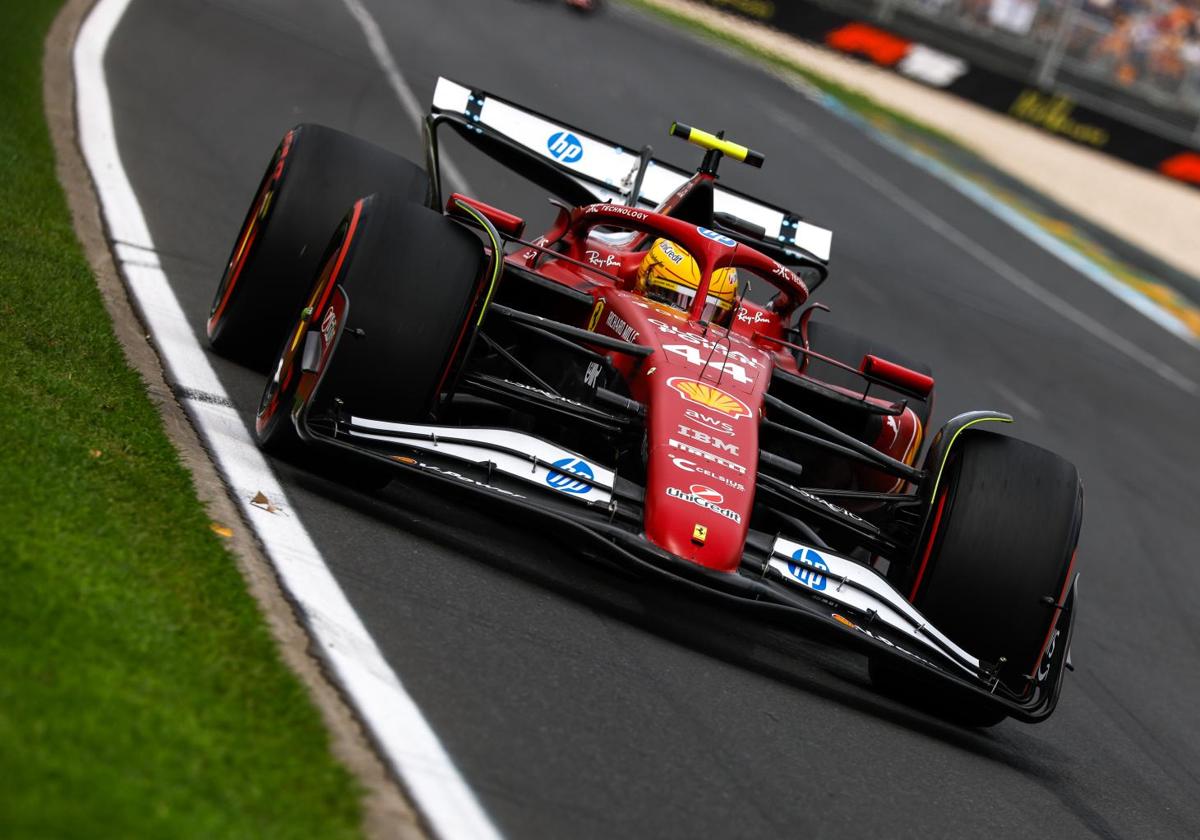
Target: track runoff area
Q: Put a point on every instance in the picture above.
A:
(555, 718)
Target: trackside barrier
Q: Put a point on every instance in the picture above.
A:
(1045, 107)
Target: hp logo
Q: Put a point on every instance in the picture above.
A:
(565, 147)
(808, 575)
(561, 477)
(716, 237)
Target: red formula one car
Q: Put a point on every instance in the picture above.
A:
(613, 376)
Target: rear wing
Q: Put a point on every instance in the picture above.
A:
(583, 168)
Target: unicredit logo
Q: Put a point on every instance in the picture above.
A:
(707, 494)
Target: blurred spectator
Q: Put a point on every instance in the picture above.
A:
(1013, 15)
(1153, 45)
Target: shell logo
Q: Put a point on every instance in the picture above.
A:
(709, 397)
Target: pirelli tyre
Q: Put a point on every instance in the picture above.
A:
(408, 279)
(849, 347)
(314, 175)
(996, 561)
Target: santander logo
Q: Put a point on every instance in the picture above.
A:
(707, 494)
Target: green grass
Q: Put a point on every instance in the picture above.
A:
(852, 99)
(140, 691)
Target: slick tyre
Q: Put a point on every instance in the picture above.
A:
(412, 279)
(846, 346)
(314, 175)
(998, 556)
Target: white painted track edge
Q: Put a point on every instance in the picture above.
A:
(407, 741)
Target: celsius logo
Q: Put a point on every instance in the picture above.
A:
(560, 477)
(715, 237)
(809, 575)
(564, 146)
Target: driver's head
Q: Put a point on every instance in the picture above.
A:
(669, 275)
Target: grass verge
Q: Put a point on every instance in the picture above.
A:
(141, 693)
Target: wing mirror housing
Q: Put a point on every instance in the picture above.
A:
(905, 379)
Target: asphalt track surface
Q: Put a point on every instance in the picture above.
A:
(578, 707)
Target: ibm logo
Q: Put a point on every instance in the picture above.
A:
(565, 147)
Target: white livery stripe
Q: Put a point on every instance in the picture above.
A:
(546, 464)
(870, 592)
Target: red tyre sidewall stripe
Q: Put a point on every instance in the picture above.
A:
(458, 342)
(1057, 612)
(290, 365)
(318, 309)
(249, 233)
(355, 214)
(236, 272)
(933, 532)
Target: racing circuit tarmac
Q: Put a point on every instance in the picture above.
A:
(576, 707)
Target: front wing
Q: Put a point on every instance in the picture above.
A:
(788, 581)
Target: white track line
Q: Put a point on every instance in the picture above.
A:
(405, 737)
(408, 101)
(1024, 406)
(997, 264)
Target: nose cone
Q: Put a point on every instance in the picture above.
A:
(700, 475)
(702, 388)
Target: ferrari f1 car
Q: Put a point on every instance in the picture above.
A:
(615, 376)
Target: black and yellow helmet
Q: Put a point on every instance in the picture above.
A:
(670, 275)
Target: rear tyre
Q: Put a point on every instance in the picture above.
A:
(997, 558)
(850, 348)
(412, 278)
(314, 175)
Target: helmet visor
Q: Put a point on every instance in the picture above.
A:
(680, 297)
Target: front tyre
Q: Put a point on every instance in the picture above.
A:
(997, 559)
(395, 294)
(314, 175)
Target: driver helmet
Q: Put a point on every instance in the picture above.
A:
(670, 275)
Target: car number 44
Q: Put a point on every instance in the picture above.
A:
(696, 356)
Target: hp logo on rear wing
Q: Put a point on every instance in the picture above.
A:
(564, 147)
